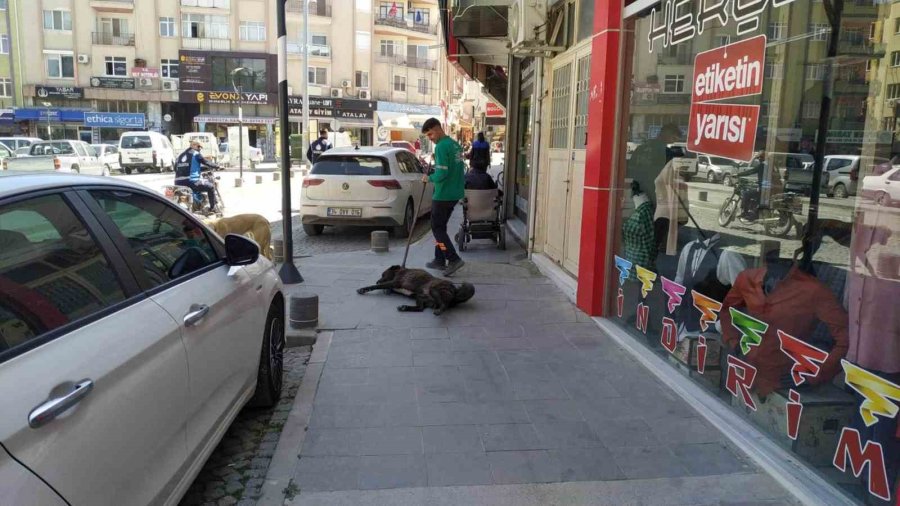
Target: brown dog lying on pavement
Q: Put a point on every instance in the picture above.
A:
(252, 226)
(428, 290)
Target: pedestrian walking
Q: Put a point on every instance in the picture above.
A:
(318, 146)
(448, 178)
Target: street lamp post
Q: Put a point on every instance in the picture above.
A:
(240, 95)
(49, 130)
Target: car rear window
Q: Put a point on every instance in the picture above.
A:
(351, 166)
(52, 148)
(136, 141)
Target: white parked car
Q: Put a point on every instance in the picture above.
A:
(377, 187)
(254, 155)
(130, 338)
(143, 151)
(884, 189)
(14, 143)
(62, 156)
(108, 154)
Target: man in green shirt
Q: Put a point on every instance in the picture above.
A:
(449, 181)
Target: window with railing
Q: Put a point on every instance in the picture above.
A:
(390, 10)
(211, 4)
(204, 26)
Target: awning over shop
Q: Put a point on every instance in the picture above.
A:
(395, 120)
(248, 120)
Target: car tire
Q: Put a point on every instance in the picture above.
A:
(127, 170)
(728, 181)
(710, 177)
(312, 230)
(141, 170)
(402, 231)
(270, 372)
(106, 170)
(840, 191)
(883, 199)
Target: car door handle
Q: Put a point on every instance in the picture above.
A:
(198, 312)
(49, 410)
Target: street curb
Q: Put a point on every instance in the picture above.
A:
(284, 461)
(297, 338)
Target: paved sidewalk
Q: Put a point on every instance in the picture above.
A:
(510, 398)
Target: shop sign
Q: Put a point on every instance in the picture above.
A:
(224, 97)
(319, 107)
(194, 71)
(114, 119)
(682, 20)
(727, 72)
(673, 98)
(859, 137)
(350, 115)
(69, 92)
(493, 110)
(145, 72)
(432, 110)
(118, 83)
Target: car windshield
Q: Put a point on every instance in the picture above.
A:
(715, 160)
(136, 141)
(351, 166)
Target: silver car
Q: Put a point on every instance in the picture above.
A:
(130, 337)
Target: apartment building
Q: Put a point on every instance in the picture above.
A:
(184, 65)
(10, 88)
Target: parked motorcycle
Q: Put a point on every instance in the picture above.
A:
(197, 202)
(777, 219)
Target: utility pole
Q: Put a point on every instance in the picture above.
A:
(288, 271)
(306, 40)
(240, 94)
(49, 130)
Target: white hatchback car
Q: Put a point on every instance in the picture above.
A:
(109, 157)
(130, 337)
(378, 187)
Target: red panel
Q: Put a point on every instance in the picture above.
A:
(599, 157)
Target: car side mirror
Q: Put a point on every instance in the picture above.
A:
(240, 250)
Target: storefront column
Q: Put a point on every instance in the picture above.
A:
(600, 158)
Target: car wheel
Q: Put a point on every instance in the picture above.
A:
(882, 199)
(106, 171)
(312, 230)
(840, 191)
(269, 379)
(75, 169)
(710, 177)
(172, 166)
(403, 230)
(728, 181)
(141, 170)
(127, 170)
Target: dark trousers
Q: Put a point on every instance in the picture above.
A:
(204, 186)
(441, 210)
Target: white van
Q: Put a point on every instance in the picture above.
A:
(146, 151)
(206, 139)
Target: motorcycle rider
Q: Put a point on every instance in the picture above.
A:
(188, 167)
(759, 195)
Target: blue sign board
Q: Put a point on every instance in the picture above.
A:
(42, 114)
(114, 119)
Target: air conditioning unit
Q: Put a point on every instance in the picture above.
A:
(346, 83)
(337, 93)
(365, 94)
(146, 82)
(524, 17)
(170, 85)
(84, 58)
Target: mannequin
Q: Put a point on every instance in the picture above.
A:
(637, 231)
(669, 211)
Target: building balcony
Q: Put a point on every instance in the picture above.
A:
(315, 50)
(111, 39)
(408, 61)
(402, 23)
(113, 5)
(206, 44)
(320, 8)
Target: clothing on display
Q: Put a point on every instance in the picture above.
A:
(637, 234)
(705, 267)
(793, 304)
(668, 208)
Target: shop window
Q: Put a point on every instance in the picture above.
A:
(60, 66)
(253, 31)
(169, 68)
(362, 79)
(673, 83)
(764, 275)
(559, 110)
(400, 84)
(6, 88)
(57, 20)
(167, 27)
(116, 66)
(318, 76)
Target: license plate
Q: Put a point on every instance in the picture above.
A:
(345, 211)
(135, 159)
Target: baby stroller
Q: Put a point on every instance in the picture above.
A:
(481, 218)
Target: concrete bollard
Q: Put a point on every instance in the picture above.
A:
(238, 182)
(380, 241)
(276, 176)
(259, 179)
(278, 254)
(304, 311)
(704, 196)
